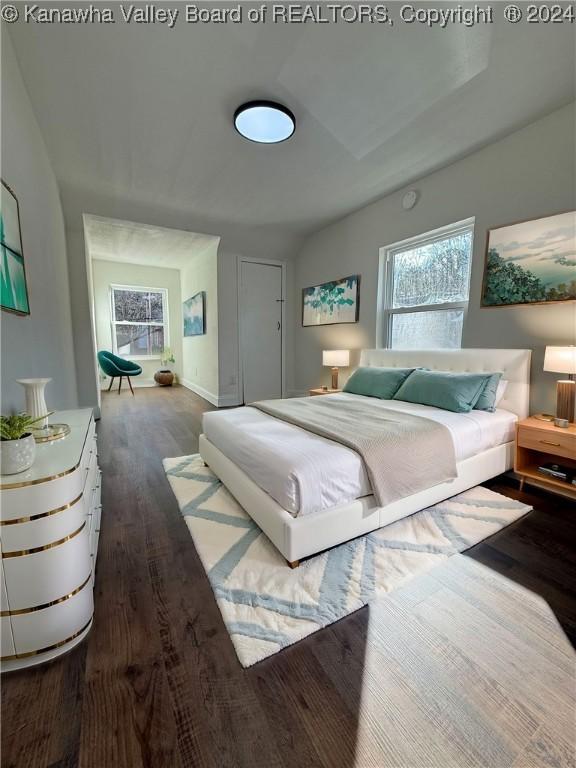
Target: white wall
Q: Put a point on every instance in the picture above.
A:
(39, 345)
(200, 353)
(528, 174)
(107, 273)
(81, 303)
(228, 351)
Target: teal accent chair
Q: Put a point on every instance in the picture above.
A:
(115, 366)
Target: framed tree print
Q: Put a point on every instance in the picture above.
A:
(531, 262)
(329, 303)
(13, 288)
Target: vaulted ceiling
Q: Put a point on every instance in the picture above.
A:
(138, 118)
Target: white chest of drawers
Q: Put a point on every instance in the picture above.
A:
(49, 527)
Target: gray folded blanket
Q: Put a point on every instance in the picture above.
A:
(403, 453)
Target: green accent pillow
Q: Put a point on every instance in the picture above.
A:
(456, 392)
(377, 382)
(487, 399)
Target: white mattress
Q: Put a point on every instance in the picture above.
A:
(305, 473)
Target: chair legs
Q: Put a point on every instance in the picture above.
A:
(120, 383)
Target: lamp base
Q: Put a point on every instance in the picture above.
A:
(334, 378)
(565, 399)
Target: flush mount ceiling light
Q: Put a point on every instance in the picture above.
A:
(265, 122)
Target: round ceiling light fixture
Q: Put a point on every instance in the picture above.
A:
(265, 122)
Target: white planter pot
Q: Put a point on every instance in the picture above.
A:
(17, 455)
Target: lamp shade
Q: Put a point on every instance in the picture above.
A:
(336, 358)
(560, 359)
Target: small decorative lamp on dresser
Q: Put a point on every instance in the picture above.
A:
(49, 527)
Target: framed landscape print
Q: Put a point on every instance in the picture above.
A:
(532, 262)
(335, 302)
(193, 312)
(13, 288)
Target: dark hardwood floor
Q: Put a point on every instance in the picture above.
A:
(157, 682)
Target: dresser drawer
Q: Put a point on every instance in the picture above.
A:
(6, 641)
(556, 443)
(55, 625)
(89, 446)
(41, 530)
(42, 577)
(91, 471)
(94, 551)
(94, 506)
(37, 499)
(3, 594)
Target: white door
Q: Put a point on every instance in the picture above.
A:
(261, 330)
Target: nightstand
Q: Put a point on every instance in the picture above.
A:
(320, 391)
(539, 442)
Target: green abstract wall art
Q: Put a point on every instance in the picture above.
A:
(335, 302)
(531, 262)
(193, 313)
(13, 289)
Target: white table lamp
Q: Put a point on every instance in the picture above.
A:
(336, 358)
(563, 360)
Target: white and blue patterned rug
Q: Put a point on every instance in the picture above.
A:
(267, 606)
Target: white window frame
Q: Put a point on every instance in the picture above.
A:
(385, 311)
(113, 322)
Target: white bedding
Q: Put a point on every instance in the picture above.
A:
(305, 473)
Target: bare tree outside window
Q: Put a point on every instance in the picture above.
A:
(426, 289)
(139, 321)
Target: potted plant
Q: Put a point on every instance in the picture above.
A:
(165, 376)
(17, 445)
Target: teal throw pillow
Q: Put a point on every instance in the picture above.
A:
(377, 382)
(487, 399)
(456, 392)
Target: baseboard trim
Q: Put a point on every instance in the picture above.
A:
(210, 396)
(221, 401)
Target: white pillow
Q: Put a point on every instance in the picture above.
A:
(500, 391)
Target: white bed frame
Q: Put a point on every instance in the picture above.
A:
(298, 537)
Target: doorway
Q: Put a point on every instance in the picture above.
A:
(261, 320)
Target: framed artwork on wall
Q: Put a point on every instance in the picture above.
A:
(531, 262)
(193, 311)
(14, 288)
(329, 303)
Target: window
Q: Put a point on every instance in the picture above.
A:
(139, 320)
(424, 285)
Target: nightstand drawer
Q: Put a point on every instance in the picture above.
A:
(556, 442)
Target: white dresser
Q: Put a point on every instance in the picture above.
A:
(49, 527)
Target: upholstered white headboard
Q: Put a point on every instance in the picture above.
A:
(513, 363)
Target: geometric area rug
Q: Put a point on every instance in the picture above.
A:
(267, 606)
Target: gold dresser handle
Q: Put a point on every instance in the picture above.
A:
(549, 442)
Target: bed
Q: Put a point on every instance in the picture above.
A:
(308, 493)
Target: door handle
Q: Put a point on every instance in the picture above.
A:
(278, 324)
